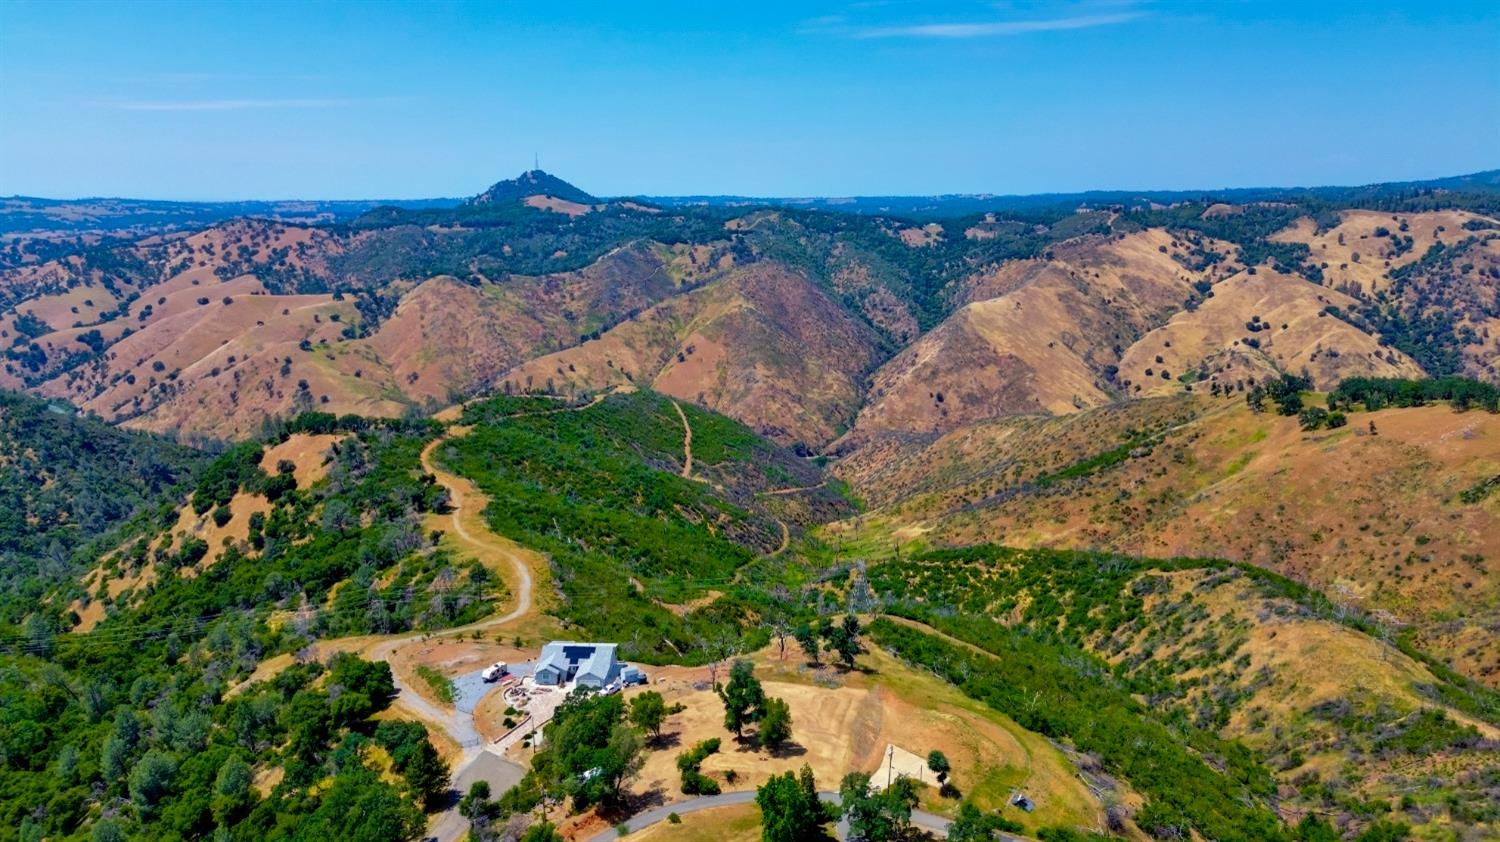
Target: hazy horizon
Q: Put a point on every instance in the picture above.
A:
(785, 197)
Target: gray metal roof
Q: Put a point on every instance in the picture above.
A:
(593, 660)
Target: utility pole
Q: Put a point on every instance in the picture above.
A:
(890, 763)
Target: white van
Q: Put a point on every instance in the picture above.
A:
(494, 671)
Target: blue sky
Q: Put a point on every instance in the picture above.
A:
(219, 100)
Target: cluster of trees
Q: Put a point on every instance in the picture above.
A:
(588, 753)
(68, 481)
(1374, 393)
(1285, 391)
(488, 822)
(690, 765)
(1134, 441)
(839, 639)
(1318, 418)
(974, 825)
(1370, 393)
(154, 750)
(790, 810)
(648, 712)
(746, 703)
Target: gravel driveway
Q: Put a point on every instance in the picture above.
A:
(470, 688)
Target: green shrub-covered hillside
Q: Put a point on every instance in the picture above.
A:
(1205, 684)
(600, 490)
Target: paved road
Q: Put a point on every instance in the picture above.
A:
(926, 821)
(486, 765)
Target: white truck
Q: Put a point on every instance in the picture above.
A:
(494, 672)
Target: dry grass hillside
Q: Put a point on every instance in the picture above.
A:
(1356, 259)
(203, 354)
(1254, 327)
(109, 291)
(1379, 521)
(763, 345)
(449, 337)
(1431, 279)
(209, 333)
(1036, 336)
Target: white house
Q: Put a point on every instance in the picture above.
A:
(589, 664)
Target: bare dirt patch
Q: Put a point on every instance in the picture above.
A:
(920, 237)
(556, 205)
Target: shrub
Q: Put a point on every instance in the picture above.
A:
(694, 782)
(441, 685)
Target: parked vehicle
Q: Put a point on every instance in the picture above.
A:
(494, 672)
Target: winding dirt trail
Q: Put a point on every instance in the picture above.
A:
(496, 552)
(687, 443)
(777, 492)
(473, 534)
(468, 504)
(786, 539)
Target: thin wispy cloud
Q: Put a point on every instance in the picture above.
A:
(228, 104)
(993, 29)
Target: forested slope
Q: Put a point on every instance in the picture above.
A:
(67, 479)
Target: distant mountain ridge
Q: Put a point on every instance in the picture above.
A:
(35, 214)
(22, 214)
(961, 204)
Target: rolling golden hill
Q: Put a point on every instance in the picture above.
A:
(1375, 516)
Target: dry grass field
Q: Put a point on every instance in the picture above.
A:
(842, 723)
(726, 824)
